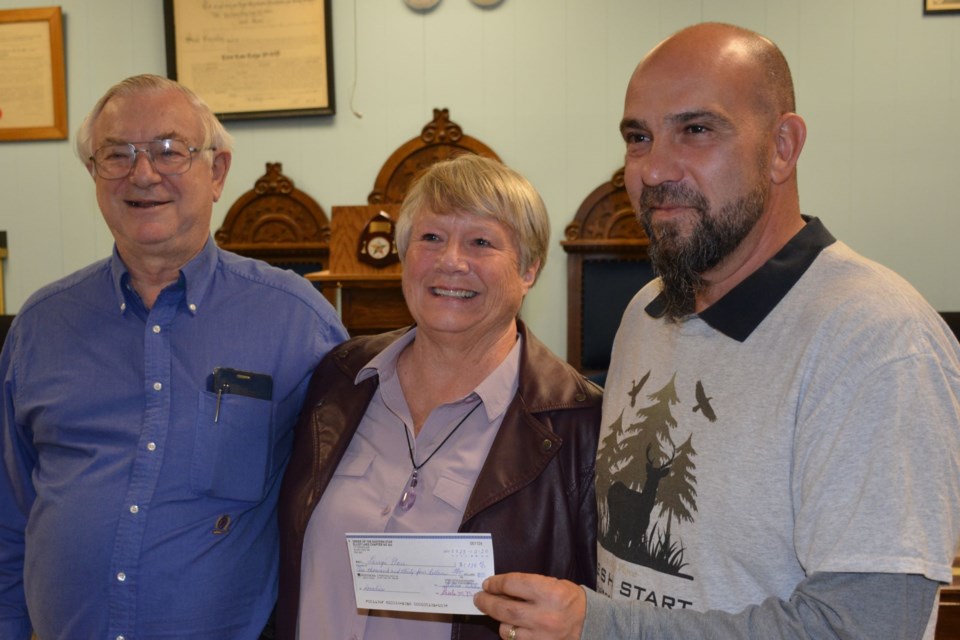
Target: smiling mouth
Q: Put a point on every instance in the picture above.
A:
(145, 204)
(452, 293)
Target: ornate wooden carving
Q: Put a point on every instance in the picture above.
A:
(277, 222)
(440, 139)
(371, 299)
(606, 222)
(604, 230)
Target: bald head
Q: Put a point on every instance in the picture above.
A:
(712, 143)
(713, 47)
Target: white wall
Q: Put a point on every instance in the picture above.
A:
(541, 82)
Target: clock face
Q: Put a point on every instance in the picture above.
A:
(378, 247)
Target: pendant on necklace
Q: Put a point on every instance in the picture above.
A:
(409, 495)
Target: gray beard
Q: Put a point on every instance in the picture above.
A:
(680, 262)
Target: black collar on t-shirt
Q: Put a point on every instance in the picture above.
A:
(745, 306)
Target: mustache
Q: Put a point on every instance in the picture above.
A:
(671, 194)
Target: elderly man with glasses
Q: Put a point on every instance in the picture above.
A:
(149, 398)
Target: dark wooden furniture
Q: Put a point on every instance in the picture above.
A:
(606, 265)
(948, 615)
(371, 300)
(277, 223)
(441, 138)
(3, 254)
(5, 322)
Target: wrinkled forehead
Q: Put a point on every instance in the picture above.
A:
(674, 80)
(472, 223)
(689, 58)
(428, 215)
(147, 115)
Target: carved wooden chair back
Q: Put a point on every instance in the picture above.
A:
(278, 223)
(606, 265)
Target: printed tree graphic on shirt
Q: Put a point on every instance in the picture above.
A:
(646, 483)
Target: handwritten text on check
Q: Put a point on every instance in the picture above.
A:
(437, 573)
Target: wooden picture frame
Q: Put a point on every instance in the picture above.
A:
(941, 6)
(33, 91)
(268, 59)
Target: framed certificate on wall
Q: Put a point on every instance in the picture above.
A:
(253, 58)
(33, 96)
(941, 6)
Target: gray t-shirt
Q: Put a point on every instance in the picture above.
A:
(827, 439)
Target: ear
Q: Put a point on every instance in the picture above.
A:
(789, 137)
(530, 275)
(219, 171)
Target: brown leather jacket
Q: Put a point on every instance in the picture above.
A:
(534, 494)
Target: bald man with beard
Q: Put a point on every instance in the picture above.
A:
(819, 498)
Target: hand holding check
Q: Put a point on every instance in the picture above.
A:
(533, 607)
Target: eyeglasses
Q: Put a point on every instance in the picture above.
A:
(169, 157)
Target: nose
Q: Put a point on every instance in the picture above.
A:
(658, 165)
(451, 258)
(143, 171)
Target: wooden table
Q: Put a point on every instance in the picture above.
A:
(368, 303)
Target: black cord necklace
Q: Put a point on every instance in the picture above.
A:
(409, 495)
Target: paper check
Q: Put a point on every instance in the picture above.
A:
(437, 573)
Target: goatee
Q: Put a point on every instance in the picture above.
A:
(681, 261)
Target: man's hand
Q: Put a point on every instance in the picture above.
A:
(532, 607)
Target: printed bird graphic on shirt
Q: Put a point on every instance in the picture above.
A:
(703, 403)
(636, 388)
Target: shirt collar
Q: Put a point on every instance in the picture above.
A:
(195, 276)
(745, 306)
(496, 391)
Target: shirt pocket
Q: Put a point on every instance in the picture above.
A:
(454, 491)
(354, 465)
(231, 456)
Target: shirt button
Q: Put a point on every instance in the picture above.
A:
(134, 508)
(193, 308)
(156, 328)
(121, 576)
(151, 446)
(121, 638)
(157, 386)
(123, 306)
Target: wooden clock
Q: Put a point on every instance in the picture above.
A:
(377, 246)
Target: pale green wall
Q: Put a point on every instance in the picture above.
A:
(541, 82)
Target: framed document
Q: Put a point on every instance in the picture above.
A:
(33, 96)
(941, 6)
(253, 58)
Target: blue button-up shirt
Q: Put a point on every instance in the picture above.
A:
(135, 502)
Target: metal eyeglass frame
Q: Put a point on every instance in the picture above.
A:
(145, 147)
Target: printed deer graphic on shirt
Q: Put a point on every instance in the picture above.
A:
(645, 482)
